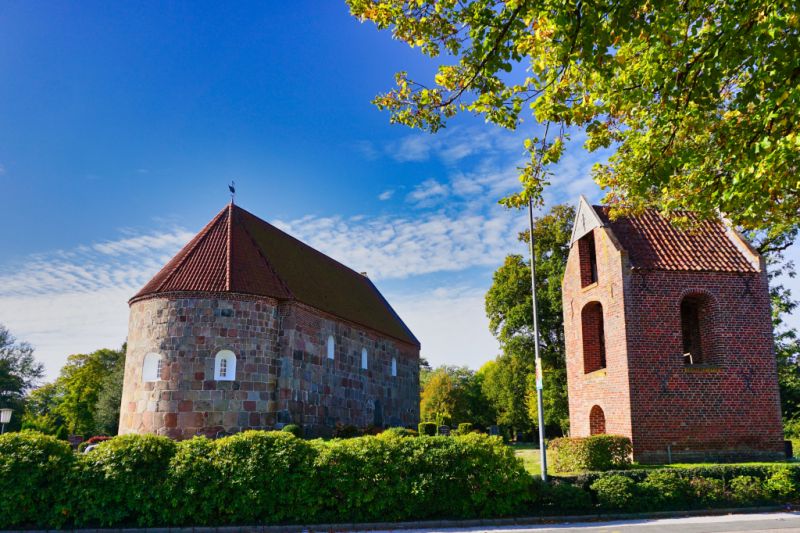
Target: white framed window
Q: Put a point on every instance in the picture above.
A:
(152, 367)
(394, 367)
(364, 358)
(225, 366)
(331, 347)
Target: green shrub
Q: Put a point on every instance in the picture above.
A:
(378, 478)
(565, 498)
(464, 428)
(122, 481)
(707, 492)
(265, 477)
(195, 484)
(34, 469)
(346, 432)
(294, 429)
(747, 490)
(665, 489)
(427, 428)
(598, 452)
(615, 492)
(398, 432)
(782, 485)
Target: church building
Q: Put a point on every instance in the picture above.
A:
(669, 339)
(249, 328)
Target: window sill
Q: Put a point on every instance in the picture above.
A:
(702, 369)
(595, 374)
(589, 287)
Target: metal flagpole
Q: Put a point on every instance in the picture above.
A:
(539, 381)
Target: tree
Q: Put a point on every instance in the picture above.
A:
(454, 394)
(19, 372)
(508, 306)
(700, 101)
(81, 383)
(106, 413)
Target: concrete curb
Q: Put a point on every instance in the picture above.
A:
(438, 524)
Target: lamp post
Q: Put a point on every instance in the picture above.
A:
(539, 380)
(5, 418)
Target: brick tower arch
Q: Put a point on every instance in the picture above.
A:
(597, 421)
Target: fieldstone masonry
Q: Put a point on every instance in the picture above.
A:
(283, 374)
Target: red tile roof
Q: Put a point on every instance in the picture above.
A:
(238, 252)
(653, 243)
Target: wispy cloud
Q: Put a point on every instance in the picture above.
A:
(427, 192)
(385, 195)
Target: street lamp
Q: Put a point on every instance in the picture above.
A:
(5, 418)
(539, 380)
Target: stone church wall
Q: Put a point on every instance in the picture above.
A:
(283, 374)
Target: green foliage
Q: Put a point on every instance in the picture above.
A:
(453, 394)
(427, 428)
(561, 497)
(598, 452)
(122, 481)
(664, 489)
(109, 398)
(615, 492)
(398, 432)
(707, 492)
(699, 102)
(782, 485)
(29, 464)
(464, 428)
(194, 484)
(268, 477)
(510, 382)
(747, 490)
(19, 372)
(294, 429)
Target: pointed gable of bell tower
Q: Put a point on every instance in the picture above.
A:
(586, 219)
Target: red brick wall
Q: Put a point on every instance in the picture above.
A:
(606, 388)
(727, 405)
(726, 408)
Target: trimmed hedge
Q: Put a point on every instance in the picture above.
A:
(260, 477)
(256, 477)
(595, 453)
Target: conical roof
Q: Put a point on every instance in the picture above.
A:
(237, 252)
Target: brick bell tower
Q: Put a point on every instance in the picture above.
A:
(669, 339)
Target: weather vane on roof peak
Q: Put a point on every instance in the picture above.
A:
(232, 188)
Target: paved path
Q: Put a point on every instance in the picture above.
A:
(753, 523)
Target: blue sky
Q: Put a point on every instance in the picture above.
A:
(122, 123)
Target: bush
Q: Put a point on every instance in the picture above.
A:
(615, 492)
(464, 428)
(33, 471)
(294, 429)
(122, 481)
(747, 490)
(707, 492)
(398, 432)
(665, 489)
(195, 484)
(427, 428)
(782, 485)
(565, 498)
(598, 452)
(346, 432)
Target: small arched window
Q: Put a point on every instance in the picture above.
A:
(225, 366)
(331, 347)
(364, 358)
(152, 367)
(394, 367)
(597, 421)
(594, 342)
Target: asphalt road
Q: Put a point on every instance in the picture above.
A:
(753, 523)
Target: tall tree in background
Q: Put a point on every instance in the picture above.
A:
(454, 394)
(19, 372)
(700, 101)
(508, 306)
